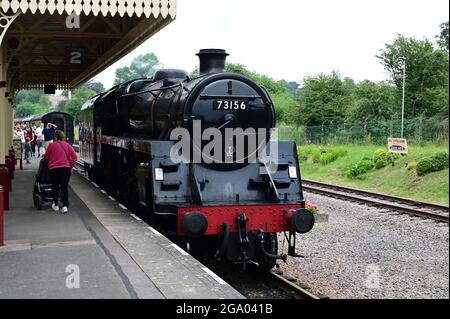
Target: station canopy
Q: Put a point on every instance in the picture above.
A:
(67, 42)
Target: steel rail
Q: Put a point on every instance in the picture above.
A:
(301, 292)
(403, 205)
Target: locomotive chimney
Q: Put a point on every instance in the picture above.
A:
(212, 60)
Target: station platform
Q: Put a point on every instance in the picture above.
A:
(112, 252)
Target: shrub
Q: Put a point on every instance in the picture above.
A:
(440, 161)
(340, 152)
(380, 155)
(360, 168)
(435, 163)
(394, 157)
(327, 158)
(316, 156)
(302, 157)
(424, 166)
(412, 166)
(381, 163)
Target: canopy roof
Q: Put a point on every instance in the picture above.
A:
(43, 43)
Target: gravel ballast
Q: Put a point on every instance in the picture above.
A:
(367, 252)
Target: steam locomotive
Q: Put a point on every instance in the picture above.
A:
(221, 205)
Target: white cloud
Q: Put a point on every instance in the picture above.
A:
(289, 39)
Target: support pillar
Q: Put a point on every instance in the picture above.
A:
(3, 106)
(9, 121)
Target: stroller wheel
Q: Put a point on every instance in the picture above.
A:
(37, 201)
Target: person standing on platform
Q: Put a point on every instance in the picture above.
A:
(49, 135)
(27, 150)
(61, 158)
(29, 137)
(39, 139)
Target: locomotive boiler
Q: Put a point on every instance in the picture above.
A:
(228, 204)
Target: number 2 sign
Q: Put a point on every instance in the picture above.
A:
(75, 55)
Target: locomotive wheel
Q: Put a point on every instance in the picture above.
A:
(265, 263)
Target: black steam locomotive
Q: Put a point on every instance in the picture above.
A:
(226, 207)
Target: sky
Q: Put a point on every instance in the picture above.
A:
(291, 39)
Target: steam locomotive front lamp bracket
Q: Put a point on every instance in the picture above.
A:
(242, 220)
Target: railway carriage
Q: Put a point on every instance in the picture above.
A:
(228, 207)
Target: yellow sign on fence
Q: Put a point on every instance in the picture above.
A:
(398, 145)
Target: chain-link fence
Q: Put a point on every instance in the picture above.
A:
(416, 131)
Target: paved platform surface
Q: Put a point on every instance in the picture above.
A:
(118, 255)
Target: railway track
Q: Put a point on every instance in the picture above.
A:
(297, 290)
(256, 284)
(439, 213)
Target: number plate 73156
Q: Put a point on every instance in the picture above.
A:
(229, 105)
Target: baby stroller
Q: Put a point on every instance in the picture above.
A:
(43, 191)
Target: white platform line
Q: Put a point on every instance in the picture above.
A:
(179, 249)
(135, 217)
(154, 231)
(123, 207)
(103, 191)
(95, 185)
(111, 198)
(215, 277)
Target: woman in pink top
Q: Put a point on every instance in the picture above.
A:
(61, 158)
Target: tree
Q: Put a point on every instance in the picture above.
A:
(442, 38)
(31, 102)
(372, 102)
(142, 66)
(32, 96)
(24, 109)
(43, 106)
(426, 70)
(79, 97)
(98, 87)
(323, 100)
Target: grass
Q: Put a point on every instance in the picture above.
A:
(396, 181)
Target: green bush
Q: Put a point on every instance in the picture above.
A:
(440, 161)
(327, 158)
(424, 166)
(412, 166)
(302, 157)
(316, 156)
(435, 163)
(323, 155)
(381, 163)
(360, 168)
(394, 158)
(340, 152)
(380, 155)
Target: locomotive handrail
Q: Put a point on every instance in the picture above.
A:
(163, 88)
(226, 97)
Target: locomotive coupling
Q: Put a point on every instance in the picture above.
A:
(194, 224)
(301, 220)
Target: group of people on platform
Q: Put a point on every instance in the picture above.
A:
(59, 155)
(34, 140)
